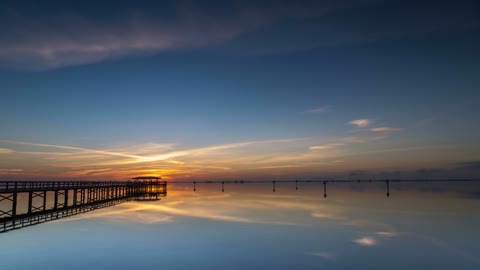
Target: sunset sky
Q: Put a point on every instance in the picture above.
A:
(240, 89)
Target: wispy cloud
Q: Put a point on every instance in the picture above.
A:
(384, 129)
(256, 159)
(364, 139)
(360, 123)
(406, 149)
(296, 165)
(149, 159)
(6, 151)
(10, 171)
(322, 109)
(69, 37)
(102, 152)
(388, 234)
(75, 39)
(206, 150)
(326, 146)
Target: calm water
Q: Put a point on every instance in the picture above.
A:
(250, 227)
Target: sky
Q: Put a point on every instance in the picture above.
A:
(239, 89)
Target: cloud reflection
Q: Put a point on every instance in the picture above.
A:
(366, 241)
(246, 207)
(323, 254)
(123, 213)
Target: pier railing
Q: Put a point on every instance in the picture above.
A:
(42, 201)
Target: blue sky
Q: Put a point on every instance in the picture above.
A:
(233, 89)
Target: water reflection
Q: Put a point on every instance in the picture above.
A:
(451, 185)
(235, 226)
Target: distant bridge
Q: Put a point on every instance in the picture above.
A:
(50, 200)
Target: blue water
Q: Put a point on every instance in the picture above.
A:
(250, 227)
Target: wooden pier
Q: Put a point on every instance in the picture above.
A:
(43, 201)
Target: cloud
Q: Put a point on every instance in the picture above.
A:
(209, 149)
(347, 220)
(318, 110)
(10, 171)
(124, 213)
(388, 234)
(39, 38)
(360, 123)
(248, 207)
(406, 149)
(364, 139)
(70, 36)
(299, 165)
(366, 241)
(227, 209)
(102, 152)
(6, 151)
(359, 23)
(149, 159)
(384, 129)
(326, 146)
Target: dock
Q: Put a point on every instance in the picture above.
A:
(27, 203)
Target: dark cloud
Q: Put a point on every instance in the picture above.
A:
(42, 35)
(370, 22)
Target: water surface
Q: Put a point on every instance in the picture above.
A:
(249, 226)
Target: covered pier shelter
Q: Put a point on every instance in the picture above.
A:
(150, 188)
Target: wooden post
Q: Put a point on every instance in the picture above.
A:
(325, 189)
(14, 204)
(44, 200)
(30, 202)
(388, 188)
(66, 198)
(83, 196)
(75, 197)
(55, 200)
